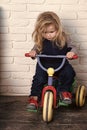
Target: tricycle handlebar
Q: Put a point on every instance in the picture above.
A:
(51, 56)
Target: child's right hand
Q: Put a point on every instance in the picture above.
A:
(32, 53)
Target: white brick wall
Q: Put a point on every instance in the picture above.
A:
(17, 18)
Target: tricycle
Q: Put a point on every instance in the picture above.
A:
(49, 99)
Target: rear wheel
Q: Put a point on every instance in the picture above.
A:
(80, 96)
(48, 106)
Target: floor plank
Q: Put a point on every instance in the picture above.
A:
(14, 116)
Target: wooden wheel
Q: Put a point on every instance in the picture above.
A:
(48, 107)
(80, 96)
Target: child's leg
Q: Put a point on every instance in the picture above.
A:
(66, 78)
(39, 79)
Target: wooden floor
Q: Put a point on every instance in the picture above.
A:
(14, 116)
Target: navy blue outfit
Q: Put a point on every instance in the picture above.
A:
(65, 75)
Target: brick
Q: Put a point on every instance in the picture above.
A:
(22, 75)
(70, 30)
(13, 52)
(15, 82)
(79, 38)
(24, 15)
(43, 7)
(15, 22)
(76, 7)
(80, 68)
(19, 1)
(4, 1)
(32, 15)
(83, 60)
(29, 39)
(15, 37)
(82, 1)
(20, 30)
(14, 90)
(14, 68)
(82, 15)
(24, 60)
(83, 52)
(5, 75)
(18, 37)
(6, 52)
(20, 53)
(5, 37)
(4, 23)
(82, 76)
(67, 15)
(3, 29)
(19, 91)
(32, 69)
(4, 14)
(75, 23)
(36, 1)
(74, 62)
(62, 2)
(18, 22)
(6, 60)
(81, 30)
(6, 45)
(14, 7)
(21, 45)
(83, 45)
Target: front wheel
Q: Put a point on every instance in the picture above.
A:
(80, 96)
(48, 106)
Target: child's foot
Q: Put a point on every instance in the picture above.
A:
(33, 103)
(66, 97)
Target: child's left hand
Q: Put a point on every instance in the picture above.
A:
(69, 55)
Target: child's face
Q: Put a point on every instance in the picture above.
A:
(50, 32)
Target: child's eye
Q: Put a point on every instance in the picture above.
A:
(52, 32)
(49, 32)
(44, 32)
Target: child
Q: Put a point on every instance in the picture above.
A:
(50, 39)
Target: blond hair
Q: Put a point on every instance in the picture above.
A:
(43, 20)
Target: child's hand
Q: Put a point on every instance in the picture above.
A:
(70, 55)
(32, 53)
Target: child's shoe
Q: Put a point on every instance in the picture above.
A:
(33, 103)
(66, 97)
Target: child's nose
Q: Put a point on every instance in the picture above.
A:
(48, 35)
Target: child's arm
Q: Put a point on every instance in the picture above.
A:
(33, 52)
(72, 48)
